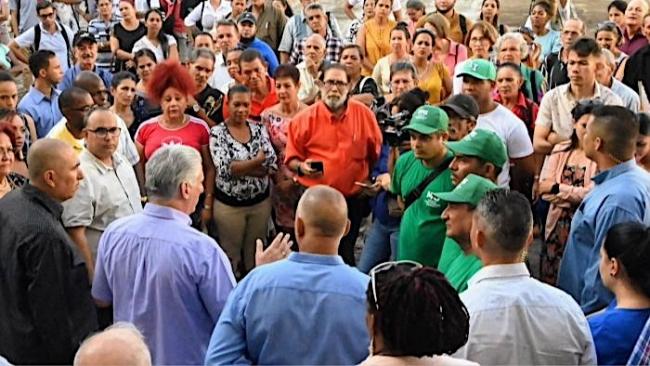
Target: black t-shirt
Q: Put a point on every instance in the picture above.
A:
(211, 100)
(126, 40)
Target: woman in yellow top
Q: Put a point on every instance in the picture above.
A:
(432, 75)
(374, 36)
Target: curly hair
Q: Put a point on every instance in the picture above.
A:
(418, 312)
(169, 74)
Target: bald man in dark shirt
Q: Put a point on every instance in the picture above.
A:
(45, 305)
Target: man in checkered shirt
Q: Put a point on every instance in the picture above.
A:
(317, 21)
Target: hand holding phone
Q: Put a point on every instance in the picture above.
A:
(317, 166)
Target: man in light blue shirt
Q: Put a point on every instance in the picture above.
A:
(309, 309)
(85, 51)
(41, 103)
(168, 279)
(621, 194)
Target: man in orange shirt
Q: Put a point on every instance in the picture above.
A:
(257, 79)
(336, 142)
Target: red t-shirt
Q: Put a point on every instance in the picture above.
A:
(152, 135)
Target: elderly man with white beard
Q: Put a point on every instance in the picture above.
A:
(336, 142)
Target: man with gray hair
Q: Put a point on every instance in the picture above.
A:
(311, 67)
(161, 274)
(605, 76)
(316, 17)
(120, 344)
(515, 319)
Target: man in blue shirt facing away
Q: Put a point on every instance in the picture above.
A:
(621, 194)
(308, 309)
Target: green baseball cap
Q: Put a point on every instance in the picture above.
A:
(479, 69)
(428, 119)
(470, 190)
(482, 144)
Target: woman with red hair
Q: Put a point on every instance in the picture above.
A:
(170, 85)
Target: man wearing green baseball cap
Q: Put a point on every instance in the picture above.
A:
(461, 203)
(424, 168)
(478, 81)
(480, 152)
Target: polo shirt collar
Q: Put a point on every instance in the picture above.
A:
(167, 213)
(499, 271)
(597, 91)
(49, 203)
(615, 171)
(56, 24)
(328, 260)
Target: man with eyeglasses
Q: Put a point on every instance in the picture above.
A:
(317, 21)
(306, 310)
(49, 34)
(108, 191)
(336, 142)
(93, 84)
(74, 103)
(85, 54)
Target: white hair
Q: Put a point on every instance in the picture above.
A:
(523, 45)
(170, 166)
(140, 355)
(609, 57)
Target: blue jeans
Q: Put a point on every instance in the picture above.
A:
(380, 246)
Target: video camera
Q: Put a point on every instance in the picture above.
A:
(391, 125)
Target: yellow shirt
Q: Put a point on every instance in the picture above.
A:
(377, 42)
(60, 132)
(432, 82)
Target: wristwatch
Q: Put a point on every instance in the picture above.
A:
(196, 107)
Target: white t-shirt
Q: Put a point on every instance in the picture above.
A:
(210, 15)
(397, 4)
(512, 132)
(144, 42)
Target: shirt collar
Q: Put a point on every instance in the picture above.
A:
(56, 25)
(103, 169)
(50, 204)
(615, 171)
(166, 213)
(38, 96)
(597, 91)
(324, 111)
(329, 260)
(499, 271)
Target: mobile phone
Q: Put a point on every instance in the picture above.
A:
(317, 166)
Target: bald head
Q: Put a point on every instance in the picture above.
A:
(323, 212)
(87, 79)
(120, 344)
(47, 154)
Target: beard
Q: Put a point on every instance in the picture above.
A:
(335, 103)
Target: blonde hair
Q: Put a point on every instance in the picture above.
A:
(487, 29)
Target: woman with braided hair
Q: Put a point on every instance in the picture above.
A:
(414, 316)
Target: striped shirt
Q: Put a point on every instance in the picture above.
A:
(102, 31)
(333, 47)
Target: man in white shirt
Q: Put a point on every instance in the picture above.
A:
(515, 319)
(605, 76)
(109, 190)
(554, 123)
(226, 38)
(478, 81)
(310, 68)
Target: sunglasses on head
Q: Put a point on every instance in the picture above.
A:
(386, 267)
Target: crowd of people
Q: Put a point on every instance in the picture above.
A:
(188, 182)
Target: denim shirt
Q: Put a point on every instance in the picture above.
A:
(621, 194)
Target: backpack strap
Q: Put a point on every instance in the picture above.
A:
(199, 24)
(37, 37)
(462, 21)
(67, 42)
(17, 18)
(417, 192)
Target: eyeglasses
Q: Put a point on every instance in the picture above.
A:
(335, 83)
(102, 132)
(84, 109)
(44, 16)
(385, 267)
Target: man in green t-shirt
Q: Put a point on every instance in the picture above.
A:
(481, 153)
(422, 231)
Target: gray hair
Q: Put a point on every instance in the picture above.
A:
(506, 218)
(319, 38)
(403, 66)
(141, 356)
(198, 53)
(609, 57)
(315, 6)
(523, 45)
(169, 167)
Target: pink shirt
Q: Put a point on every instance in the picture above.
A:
(152, 135)
(457, 54)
